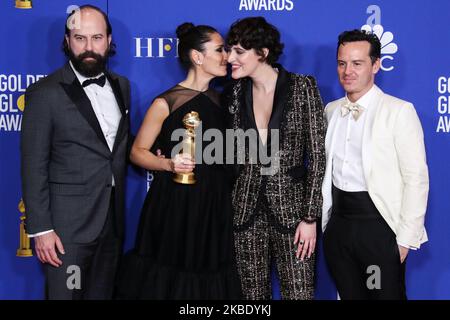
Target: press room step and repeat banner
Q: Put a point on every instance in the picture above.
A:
(415, 66)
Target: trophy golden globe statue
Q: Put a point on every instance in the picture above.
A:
(24, 249)
(191, 121)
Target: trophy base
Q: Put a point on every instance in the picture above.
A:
(23, 4)
(24, 253)
(184, 178)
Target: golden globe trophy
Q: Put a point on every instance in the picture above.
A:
(191, 121)
(24, 4)
(24, 249)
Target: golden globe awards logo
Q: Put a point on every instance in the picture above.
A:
(12, 99)
(156, 47)
(266, 5)
(443, 105)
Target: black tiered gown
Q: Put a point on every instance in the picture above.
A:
(184, 247)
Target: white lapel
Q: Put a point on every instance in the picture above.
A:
(333, 125)
(330, 139)
(368, 131)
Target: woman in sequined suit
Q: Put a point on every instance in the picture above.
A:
(276, 208)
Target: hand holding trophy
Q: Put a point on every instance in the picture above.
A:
(191, 121)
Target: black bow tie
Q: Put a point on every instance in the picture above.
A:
(98, 81)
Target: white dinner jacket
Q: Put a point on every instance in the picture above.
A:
(394, 163)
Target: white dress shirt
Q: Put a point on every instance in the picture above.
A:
(348, 173)
(106, 110)
(105, 107)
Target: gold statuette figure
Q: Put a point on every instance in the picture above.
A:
(191, 121)
(24, 249)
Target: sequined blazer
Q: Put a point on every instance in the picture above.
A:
(293, 191)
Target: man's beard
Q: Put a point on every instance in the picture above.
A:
(90, 68)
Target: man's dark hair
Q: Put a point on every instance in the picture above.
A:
(65, 46)
(361, 35)
(256, 33)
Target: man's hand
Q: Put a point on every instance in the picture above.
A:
(403, 253)
(45, 248)
(305, 236)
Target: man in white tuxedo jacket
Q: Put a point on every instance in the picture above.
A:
(375, 188)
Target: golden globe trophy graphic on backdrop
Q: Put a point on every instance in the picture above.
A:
(191, 121)
(24, 249)
(24, 4)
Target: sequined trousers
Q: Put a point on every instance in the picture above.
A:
(260, 244)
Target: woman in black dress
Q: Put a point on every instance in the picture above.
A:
(184, 246)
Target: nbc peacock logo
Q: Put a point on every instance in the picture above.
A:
(388, 47)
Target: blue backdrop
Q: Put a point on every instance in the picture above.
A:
(416, 64)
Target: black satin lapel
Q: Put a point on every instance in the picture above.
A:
(248, 98)
(121, 131)
(115, 85)
(281, 90)
(123, 124)
(80, 99)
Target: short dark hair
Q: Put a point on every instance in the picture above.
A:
(191, 37)
(256, 33)
(362, 35)
(65, 46)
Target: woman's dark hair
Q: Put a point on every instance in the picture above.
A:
(65, 46)
(192, 38)
(361, 35)
(256, 33)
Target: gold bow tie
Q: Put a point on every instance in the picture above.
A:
(353, 108)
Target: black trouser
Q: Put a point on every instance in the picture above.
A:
(361, 250)
(92, 265)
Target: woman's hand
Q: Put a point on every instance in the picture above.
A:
(182, 163)
(305, 236)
